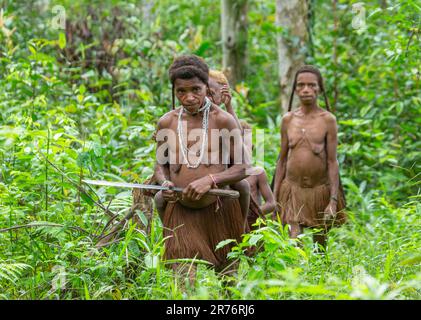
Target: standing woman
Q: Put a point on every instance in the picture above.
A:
(306, 183)
(195, 223)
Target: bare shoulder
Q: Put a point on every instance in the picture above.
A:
(286, 120)
(223, 118)
(287, 117)
(166, 120)
(328, 117)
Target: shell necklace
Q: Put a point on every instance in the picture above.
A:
(205, 124)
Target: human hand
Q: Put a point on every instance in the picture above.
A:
(169, 195)
(330, 211)
(226, 96)
(196, 189)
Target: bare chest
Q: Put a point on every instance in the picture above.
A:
(313, 130)
(193, 139)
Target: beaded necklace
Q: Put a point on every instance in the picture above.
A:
(205, 124)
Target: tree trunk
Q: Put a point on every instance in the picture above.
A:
(335, 54)
(234, 39)
(291, 16)
(147, 11)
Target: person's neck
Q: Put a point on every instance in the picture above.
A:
(191, 112)
(308, 108)
(196, 111)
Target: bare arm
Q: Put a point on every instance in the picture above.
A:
(332, 162)
(162, 172)
(266, 193)
(282, 161)
(161, 169)
(196, 189)
(231, 111)
(226, 99)
(237, 170)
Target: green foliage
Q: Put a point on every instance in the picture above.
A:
(12, 271)
(87, 101)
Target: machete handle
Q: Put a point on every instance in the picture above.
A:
(233, 194)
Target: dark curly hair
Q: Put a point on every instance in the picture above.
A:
(316, 72)
(188, 67)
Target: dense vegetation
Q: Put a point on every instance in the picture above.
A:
(85, 104)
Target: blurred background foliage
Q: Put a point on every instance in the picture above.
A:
(88, 98)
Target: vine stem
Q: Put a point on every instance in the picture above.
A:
(46, 169)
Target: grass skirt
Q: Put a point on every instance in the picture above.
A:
(305, 206)
(195, 233)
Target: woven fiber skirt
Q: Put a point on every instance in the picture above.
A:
(195, 233)
(305, 206)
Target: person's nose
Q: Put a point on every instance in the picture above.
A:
(190, 97)
(306, 89)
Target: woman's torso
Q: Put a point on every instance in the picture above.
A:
(307, 163)
(211, 163)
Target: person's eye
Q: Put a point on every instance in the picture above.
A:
(197, 89)
(181, 91)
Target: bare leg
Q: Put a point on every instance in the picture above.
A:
(243, 188)
(320, 238)
(160, 203)
(295, 230)
(183, 272)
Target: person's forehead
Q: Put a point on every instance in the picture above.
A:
(307, 77)
(186, 83)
